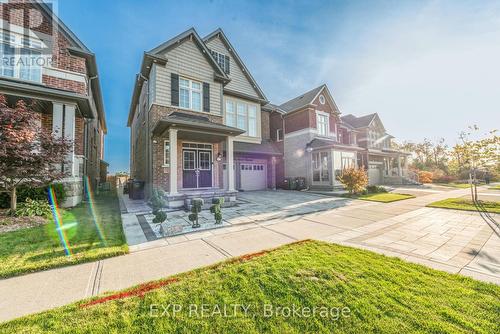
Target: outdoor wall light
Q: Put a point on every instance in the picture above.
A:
(309, 148)
(219, 157)
(155, 141)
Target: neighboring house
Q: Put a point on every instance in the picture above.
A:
(44, 63)
(197, 123)
(318, 143)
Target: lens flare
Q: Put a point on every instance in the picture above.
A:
(58, 221)
(90, 200)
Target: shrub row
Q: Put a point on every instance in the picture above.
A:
(23, 193)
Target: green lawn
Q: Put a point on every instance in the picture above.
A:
(385, 197)
(497, 187)
(465, 204)
(371, 292)
(38, 248)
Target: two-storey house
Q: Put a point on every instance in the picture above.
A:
(45, 64)
(318, 143)
(197, 126)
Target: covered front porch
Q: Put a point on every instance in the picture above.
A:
(64, 114)
(326, 160)
(189, 155)
(388, 166)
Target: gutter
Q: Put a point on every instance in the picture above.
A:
(94, 82)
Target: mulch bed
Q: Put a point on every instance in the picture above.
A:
(10, 223)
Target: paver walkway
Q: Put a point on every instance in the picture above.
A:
(454, 241)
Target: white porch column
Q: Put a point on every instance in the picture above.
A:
(69, 134)
(400, 171)
(172, 134)
(63, 124)
(230, 163)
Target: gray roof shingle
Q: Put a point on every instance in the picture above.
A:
(302, 100)
(358, 122)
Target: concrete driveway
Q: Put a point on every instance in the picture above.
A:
(454, 241)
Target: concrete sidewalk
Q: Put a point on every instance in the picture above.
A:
(454, 241)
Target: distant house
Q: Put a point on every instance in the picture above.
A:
(44, 63)
(318, 143)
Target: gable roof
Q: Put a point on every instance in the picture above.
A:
(199, 42)
(272, 107)
(306, 99)
(246, 72)
(359, 122)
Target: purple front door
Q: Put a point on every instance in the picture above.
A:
(196, 168)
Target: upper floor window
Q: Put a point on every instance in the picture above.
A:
(21, 57)
(242, 115)
(322, 124)
(222, 60)
(190, 94)
(279, 135)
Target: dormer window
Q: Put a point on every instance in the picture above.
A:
(222, 60)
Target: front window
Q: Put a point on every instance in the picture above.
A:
(21, 57)
(252, 121)
(230, 114)
(190, 94)
(322, 124)
(243, 116)
(320, 167)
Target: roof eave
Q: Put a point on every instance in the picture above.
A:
(94, 81)
(35, 91)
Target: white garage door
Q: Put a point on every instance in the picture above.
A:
(253, 176)
(374, 175)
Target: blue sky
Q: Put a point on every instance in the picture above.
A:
(429, 68)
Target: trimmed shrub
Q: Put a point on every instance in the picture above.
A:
(424, 176)
(354, 180)
(375, 190)
(38, 194)
(216, 209)
(157, 203)
(31, 208)
(197, 204)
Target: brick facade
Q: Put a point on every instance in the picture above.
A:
(79, 135)
(17, 13)
(62, 67)
(265, 125)
(299, 120)
(70, 85)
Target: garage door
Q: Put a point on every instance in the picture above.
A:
(253, 176)
(374, 175)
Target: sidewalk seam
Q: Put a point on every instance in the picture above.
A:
(217, 248)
